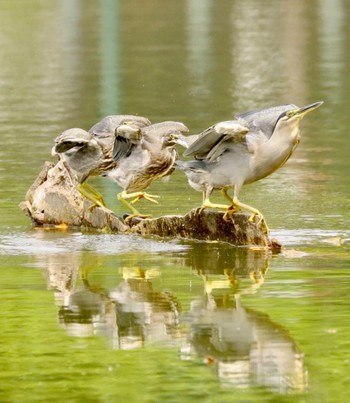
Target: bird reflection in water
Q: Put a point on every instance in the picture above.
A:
(222, 266)
(243, 346)
(143, 314)
(130, 315)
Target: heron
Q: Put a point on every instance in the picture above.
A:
(234, 153)
(90, 153)
(144, 155)
(104, 130)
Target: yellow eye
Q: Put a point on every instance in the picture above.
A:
(290, 114)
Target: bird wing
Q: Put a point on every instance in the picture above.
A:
(126, 139)
(204, 143)
(197, 166)
(254, 140)
(107, 125)
(215, 140)
(71, 138)
(265, 120)
(122, 148)
(67, 145)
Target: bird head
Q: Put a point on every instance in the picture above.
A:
(293, 116)
(129, 131)
(172, 139)
(287, 124)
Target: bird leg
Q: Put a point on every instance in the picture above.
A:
(231, 209)
(237, 205)
(208, 204)
(91, 194)
(134, 213)
(141, 195)
(224, 193)
(255, 212)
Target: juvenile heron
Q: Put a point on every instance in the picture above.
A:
(90, 153)
(242, 151)
(104, 130)
(142, 156)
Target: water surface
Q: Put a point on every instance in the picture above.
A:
(101, 317)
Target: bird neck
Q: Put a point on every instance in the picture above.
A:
(274, 153)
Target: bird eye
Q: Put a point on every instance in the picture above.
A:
(290, 114)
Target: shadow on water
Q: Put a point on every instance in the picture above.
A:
(141, 307)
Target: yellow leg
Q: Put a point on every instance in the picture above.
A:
(134, 213)
(208, 204)
(224, 193)
(255, 212)
(141, 195)
(231, 209)
(91, 194)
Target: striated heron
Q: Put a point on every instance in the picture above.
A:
(142, 156)
(90, 153)
(242, 151)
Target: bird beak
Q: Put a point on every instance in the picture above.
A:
(180, 140)
(301, 112)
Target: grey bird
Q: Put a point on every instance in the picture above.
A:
(90, 153)
(142, 156)
(242, 151)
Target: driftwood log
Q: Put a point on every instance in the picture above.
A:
(53, 200)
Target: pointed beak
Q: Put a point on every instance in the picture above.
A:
(301, 112)
(180, 140)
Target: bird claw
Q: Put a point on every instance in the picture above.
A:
(261, 221)
(96, 203)
(145, 196)
(252, 218)
(131, 216)
(229, 213)
(199, 210)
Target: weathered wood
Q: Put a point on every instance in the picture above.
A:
(207, 225)
(54, 200)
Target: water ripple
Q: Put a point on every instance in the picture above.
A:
(308, 236)
(45, 242)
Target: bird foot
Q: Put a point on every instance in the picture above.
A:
(131, 216)
(208, 204)
(199, 210)
(146, 196)
(252, 218)
(91, 194)
(229, 213)
(96, 203)
(256, 277)
(261, 221)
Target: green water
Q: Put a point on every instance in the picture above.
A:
(98, 317)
